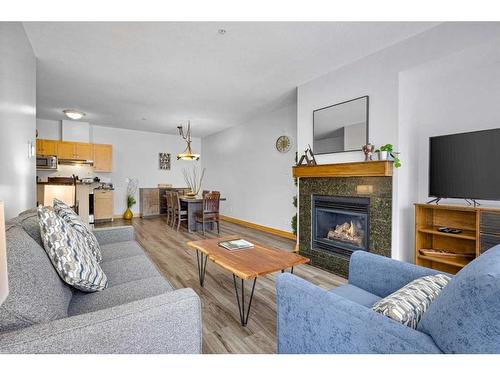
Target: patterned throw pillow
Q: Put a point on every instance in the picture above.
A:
(69, 253)
(65, 211)
(408, 304)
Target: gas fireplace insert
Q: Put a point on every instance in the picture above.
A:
(340, 224)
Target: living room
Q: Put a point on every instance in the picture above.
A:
(227, 187)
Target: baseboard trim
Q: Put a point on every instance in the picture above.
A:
(262, 228)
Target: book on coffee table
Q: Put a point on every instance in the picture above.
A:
(239, 244)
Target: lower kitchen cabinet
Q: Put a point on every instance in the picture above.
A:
(103, 205)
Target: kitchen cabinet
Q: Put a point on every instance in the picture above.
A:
(75, 151)
(46, 147)
(103, 158)
(103, 204)
(100, 154)
(84, 151)
(66, 150)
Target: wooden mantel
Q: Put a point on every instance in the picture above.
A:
(356, 169)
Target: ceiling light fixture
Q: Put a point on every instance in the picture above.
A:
(73, 114)
(222, 31)
(188, 153)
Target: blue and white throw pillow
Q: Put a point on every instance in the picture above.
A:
(408, 304)
(69, 253)
(70, 216)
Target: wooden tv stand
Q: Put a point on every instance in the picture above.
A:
(480, 231)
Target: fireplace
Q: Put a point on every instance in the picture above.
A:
(340, 225)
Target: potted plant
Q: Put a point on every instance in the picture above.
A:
(387, 151)
(132, 184)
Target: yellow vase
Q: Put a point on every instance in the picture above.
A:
(128, 215)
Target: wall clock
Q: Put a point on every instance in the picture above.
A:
(283, 144)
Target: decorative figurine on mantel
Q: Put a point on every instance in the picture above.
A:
(368, 150)
(308, 157)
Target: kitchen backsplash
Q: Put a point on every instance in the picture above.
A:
(82, 171)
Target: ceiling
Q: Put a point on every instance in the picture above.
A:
(155, 75)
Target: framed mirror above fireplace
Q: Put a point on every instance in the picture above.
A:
(341, 127)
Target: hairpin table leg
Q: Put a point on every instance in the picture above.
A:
(241, 305)
(202, 266)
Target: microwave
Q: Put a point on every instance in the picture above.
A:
(46, 162)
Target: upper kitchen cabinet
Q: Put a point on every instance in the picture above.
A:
(103, 158)
(102, 155)
(84, 151)
(75, 151)
(66, 150)
(46, 147)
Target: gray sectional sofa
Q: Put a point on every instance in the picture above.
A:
(139, 312)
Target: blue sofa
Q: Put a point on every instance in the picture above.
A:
(465, 318)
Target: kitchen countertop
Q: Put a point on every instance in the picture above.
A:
(93, 185)
(63, 183)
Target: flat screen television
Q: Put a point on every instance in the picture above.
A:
(465, 165)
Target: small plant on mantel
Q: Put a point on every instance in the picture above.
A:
(386, 150)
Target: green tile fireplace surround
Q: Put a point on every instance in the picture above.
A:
(377, 188)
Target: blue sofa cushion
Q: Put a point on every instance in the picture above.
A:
(465, 318)
(355, 294)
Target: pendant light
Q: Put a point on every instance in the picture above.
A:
(188, 153)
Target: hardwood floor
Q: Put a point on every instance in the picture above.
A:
(222, 332)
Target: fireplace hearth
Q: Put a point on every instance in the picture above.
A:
(340, 225)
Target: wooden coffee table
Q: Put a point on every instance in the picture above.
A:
(246, 264)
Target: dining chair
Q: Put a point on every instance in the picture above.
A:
(178, 213)
(205, 192)
(168, 198)
(210, 210)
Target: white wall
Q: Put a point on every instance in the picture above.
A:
(17, 119)
(135, 154)
(454, 94)
(75, 131)
(244, 165)
(48, 129)
(378, 76)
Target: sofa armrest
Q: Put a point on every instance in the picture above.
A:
(381, 275)
(114, 234)
(168, 323)
(312, 320)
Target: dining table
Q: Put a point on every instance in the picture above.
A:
(193, 205)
